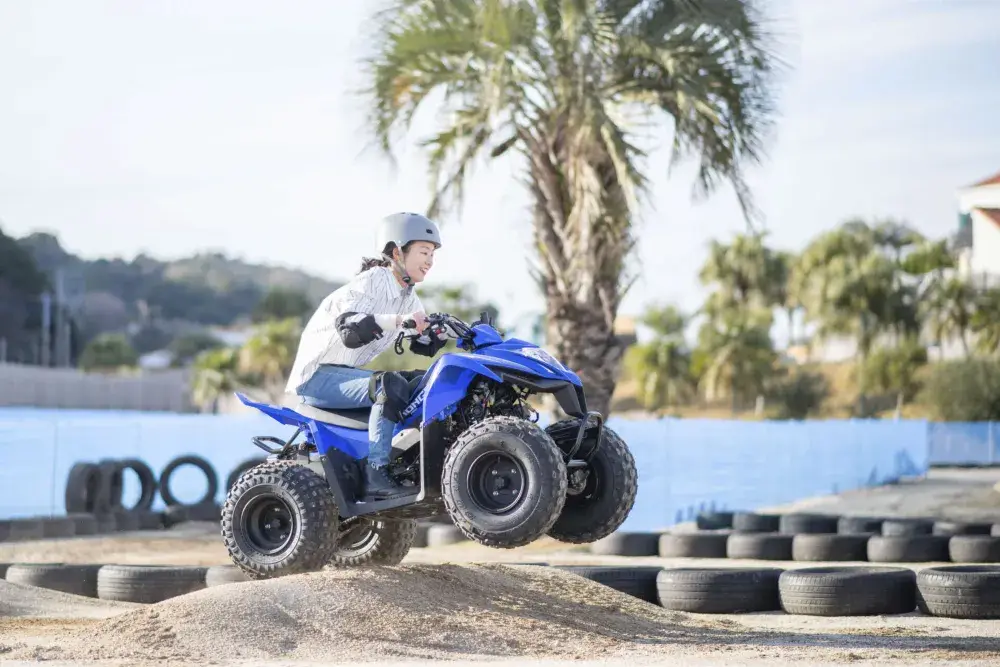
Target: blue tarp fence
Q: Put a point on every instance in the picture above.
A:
(685, 465)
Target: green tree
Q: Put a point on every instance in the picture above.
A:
(894, 370)
(985, 323)
(458, 300)
(281, 303)
(216, 374)
(108, 352)
(741, 356)
(187, 347)
(662, 366)
(796, 392)
(267, 357)
(555, 83)
(745, 273)
(849, 285)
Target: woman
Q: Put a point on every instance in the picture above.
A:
(359, 321)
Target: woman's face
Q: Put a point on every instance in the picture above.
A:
(419, 260)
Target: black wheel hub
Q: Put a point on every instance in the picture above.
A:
(496, 482)
(268, 523)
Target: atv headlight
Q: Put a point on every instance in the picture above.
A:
(538, 354)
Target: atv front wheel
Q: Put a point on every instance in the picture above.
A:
(373, 541)
(504, 482)
(280, 518)
(600, 495)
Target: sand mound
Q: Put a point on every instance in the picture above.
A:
(415, 611)
(17, 601)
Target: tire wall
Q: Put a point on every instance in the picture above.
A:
(685, 466)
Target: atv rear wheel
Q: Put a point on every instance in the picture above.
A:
(603, 492)
(504, 482)
(280, 518)
(373, 541)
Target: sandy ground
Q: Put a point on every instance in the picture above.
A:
(449, 603)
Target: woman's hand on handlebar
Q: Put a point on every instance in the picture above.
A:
(416, 320)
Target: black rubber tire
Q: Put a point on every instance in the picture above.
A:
(693, 545)
(84, 524)
(959, 591)
(912, 549)
(148, 485)
(848, 591)
(974, 549)
(175, 515)
(719, 590)
(950, 528)
(210, 511)
(106, 524)
(213, 479)
(126, 521)
(795, 524)
(24, 530)
(859, 525)
(714, 520)
(627, 544)
(58, 526)
(759, 546)
(906, 527)
(148, 584)
(83, 488)
(72, 579)
(639, 582)
(442, 534)
(542, 469)
(219, 575)
(822, 547)
(749, 522)
(597, 512)
(109, 498)
(420, 536)
(312, 541)
(387, 542)
(241, 468)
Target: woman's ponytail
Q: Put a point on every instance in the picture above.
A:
(371, 263)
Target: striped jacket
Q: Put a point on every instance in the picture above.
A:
(374, 292)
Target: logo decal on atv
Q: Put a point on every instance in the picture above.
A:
(412, 407)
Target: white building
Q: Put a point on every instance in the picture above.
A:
(979, 230)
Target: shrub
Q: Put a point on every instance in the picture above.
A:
(964, 390)
(797, 393)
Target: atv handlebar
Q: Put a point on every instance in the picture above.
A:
(441, 325)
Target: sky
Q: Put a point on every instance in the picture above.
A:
(171, 128)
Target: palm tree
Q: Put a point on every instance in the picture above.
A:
(556, 83)
(986, 321)
(848, 286)
(741, 355)
(268, 355)
(662, 367)
(949, 306)
(215, 375)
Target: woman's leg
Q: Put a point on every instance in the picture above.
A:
(341, 388)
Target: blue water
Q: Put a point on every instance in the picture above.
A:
(684, 465)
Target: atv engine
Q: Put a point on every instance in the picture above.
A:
(486, 398)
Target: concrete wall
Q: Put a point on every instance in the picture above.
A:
(684, 465)
(26, 386)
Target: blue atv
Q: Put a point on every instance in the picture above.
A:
(468, 446)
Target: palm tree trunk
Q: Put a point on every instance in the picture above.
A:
(582, 258)
(587, 345)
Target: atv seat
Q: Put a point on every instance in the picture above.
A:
(356, 418)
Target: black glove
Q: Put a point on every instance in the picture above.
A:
(427, 345)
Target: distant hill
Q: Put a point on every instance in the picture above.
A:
(206, 289)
